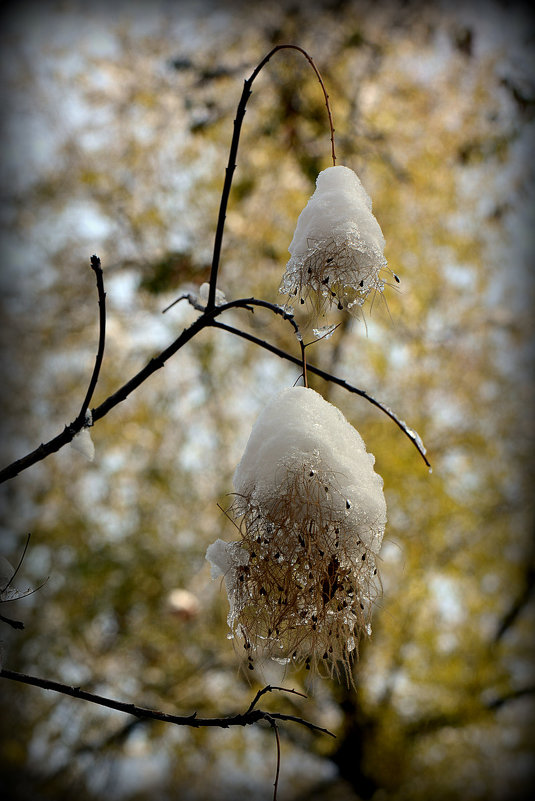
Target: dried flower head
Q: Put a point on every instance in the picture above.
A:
(311, 514)
(337, 248)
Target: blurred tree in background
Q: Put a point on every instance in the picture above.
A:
(115, 130)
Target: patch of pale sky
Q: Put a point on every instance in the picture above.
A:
(447, 595)
(499, 27)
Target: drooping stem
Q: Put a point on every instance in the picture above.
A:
(401, 424)
(304, 360)
(231, 166)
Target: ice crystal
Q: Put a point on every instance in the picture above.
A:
(337, 249)
(324, 332)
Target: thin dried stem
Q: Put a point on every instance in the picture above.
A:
(278, 768)
(21, 560)
(231, 166)
(268, 689)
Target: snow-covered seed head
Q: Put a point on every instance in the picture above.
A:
(311, 513)
(337, 248)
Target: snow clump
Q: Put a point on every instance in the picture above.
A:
(204, 291)
(311, 513)
(337, 248)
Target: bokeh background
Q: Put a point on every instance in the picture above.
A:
(116, 122)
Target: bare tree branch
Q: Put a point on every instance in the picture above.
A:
(518, 604)
(252, 715)
(457, 719)
(207, 319)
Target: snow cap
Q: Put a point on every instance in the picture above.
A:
(300, 431)
(337, 247)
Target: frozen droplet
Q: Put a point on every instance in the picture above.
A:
(204, 292)
(324, 332)
(368, 629)
(83, 443)
(351, 644)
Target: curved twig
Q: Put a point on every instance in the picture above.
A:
(21, 560)
(269, 689)
(95, 266)
(205, 320)
(401, 424)
(245, 719)
(231, 166)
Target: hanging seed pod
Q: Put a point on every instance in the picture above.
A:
(311, 508)
(337, 248)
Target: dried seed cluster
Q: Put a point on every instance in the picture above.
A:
(305, 594)
(337, 271)
(311, 514)
(337, 248)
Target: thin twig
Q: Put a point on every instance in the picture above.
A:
(246, 719)
(269, 689)
(15, 624)
(205, 320)
(95, 266)
(328, 377)
(231, 166)
(278, 768)
(21, 560)
(304, 362)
